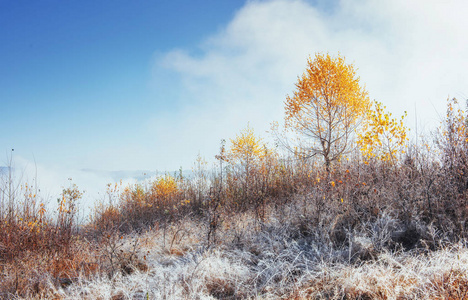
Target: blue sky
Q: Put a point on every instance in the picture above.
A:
(75, 76)
(147, 85)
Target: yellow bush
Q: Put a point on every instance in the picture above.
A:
(382, 136)
(165, 187)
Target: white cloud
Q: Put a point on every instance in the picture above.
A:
(409, 53)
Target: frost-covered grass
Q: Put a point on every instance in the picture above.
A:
(441, 274)
(196, 275)
(268, 260)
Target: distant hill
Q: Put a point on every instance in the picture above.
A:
(138, 175)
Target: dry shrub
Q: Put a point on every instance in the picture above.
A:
(41, 273)
(138, 207)
(143, 207)
(28, 228)
(106, 218)
(39, 250)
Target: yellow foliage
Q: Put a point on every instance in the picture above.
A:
(327, 106)
(165, 187)
(382, 136)
(247, 147)
(456, 130)
(453, 138)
